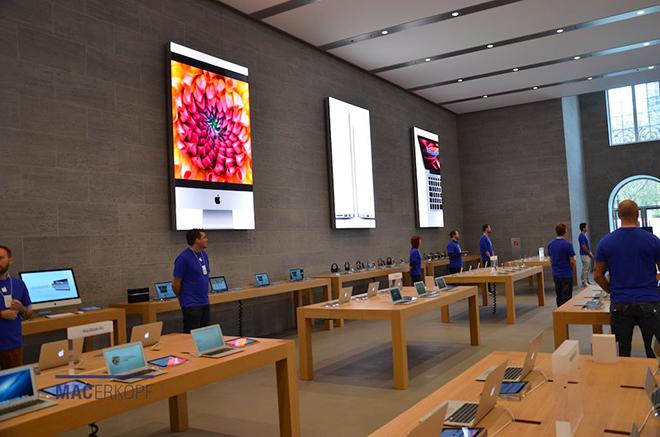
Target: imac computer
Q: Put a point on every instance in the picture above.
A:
(51, 288)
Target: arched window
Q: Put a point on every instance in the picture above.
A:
(645, 191)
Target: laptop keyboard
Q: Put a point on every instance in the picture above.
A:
(21, 406)
(435, 192)
(465, 414)
(217, 351)
(512, 372)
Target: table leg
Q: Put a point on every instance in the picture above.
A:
(444, 314)
(560, 328)
(531, 281)
(484, 294)
(399, 352)
(305, 346)
(473, 310)
(287, 395)
(150, 315)
(510, 302)
(310, 296)
(597, 329)
(327, 295)
(120, 329)
(179, 413)
(541, 288)
(298, 298)
(337, 283)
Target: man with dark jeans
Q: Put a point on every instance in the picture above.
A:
(486, 250)
(190, 281)
(562, 257)
(454, 252)
(631, 256)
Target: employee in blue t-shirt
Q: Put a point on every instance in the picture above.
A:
(562, 257)
(415, 259)
(586, 256)
(454, 252)
(486, 249)
(15, 307)
(190, 281)
(631, 255)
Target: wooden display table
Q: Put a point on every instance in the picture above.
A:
(572, 314)
(546, 262)
(38, 325)
(381, 307)
(612, 399)
(485, 276)
(429, 266)
(149, 310)
(73, 413)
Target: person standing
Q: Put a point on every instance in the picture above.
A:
(631, 256)
(562, 257)
(486, 249)
(190, 281)
(415, 259)
(586, 256)
(14, 308)
(454, 252)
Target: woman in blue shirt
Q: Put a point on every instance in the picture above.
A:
(415, 259)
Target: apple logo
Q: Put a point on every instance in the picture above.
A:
(217, 199)
(60, 353)
(492, 391)
(146, 335)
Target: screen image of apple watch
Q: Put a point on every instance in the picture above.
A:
(428, 180)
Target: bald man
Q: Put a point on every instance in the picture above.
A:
(631, 256)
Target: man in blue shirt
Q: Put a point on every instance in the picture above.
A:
(562, 257)
(190, 281)
(454, 252)
(415, 259)
(15, 307)
(486, 249)
(586, 256)
(631, 255)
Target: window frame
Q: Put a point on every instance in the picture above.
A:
(612, 208)
(634, 113)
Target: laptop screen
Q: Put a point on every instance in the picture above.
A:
(15, 385)
(208, 338)
(218, 283)
(123, 359)
(296, 274)
(51, 285)
(396, 294)
(164, 290)
(419, 286)
(440, 282)
(262, 279)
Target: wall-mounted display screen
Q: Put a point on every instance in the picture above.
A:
(428, 180)
(210, 142)
(351, 173)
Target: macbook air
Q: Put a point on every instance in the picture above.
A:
(56, 353)
(422, 291)
(372, 290)
(262, 279)
(164, 290)
(19, 394)
(431, 423)
(296, 274)
(461, 413)
(127, 363)
(210, 343)
(218, 284)
(442, 285)
(148, 334)
(656, 350)
(399, 299)
(344, 297)
(652, 391)
(515, 374)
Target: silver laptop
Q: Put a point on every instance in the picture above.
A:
(344, 297)
(423, 292)
(56, 353)
(431, 423)
(515, 374)
(127, 363)
(148, 334)
(372, 290)
(461, 413)
(652, 391)
(656, 350)
(396, 283)
(210, 343)
(399, 299)
(19, 394)
(442, 285)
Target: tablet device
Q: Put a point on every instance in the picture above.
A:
(241, 342)
(296, 274)
(218, 284)
(262, 279)
(508, 388)
(90, 308)
(461, 432)
(168, 361)
(67, 388)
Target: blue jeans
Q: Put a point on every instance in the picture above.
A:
(195, 317)
(624, 317)
(564, 290)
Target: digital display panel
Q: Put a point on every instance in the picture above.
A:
(427, 161)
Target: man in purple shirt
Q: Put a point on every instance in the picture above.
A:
(486, 249)
(190, 281)
(586, 256)
(562, 257)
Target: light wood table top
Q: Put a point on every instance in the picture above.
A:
(506, 276)
(570, 313)
(430, 265)
(72, 413)
(39, 324)
(380, 307)
(612, 399)
(546, 262)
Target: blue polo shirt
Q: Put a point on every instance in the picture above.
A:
(583, 240)
(486, 248)
(560, 252)
(415, 261)
(11, 335)
(631, 255)
(194, 283)
(454, 253)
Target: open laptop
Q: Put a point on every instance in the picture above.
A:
(422, 291)
(164, 290)
(296, 274)
(656, 350)
(218, 284)
(461, 413)
(210, 343)
(431, 423)
(515, 374)
(345, 295)
(56, 353)
(399, 299)
(372, 290)
(262, 279)
(126, 362)
(148, 334)
(19, 394)
(442, 285)
(652, 391)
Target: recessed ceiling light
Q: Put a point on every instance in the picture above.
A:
(459, 80)
(640, 12)
(427, 60)
(515, 69)
(454, 14)
(589, 78)
(485, 97)
(535, 88)
(384, 32)
(651, 67)
(576, 57)
(560, 30)
(489, 46)
(646, 44)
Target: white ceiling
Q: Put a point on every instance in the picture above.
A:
(326, 21)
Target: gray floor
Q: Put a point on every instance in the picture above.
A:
(351, 394)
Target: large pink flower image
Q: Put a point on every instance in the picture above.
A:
(211, 126)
